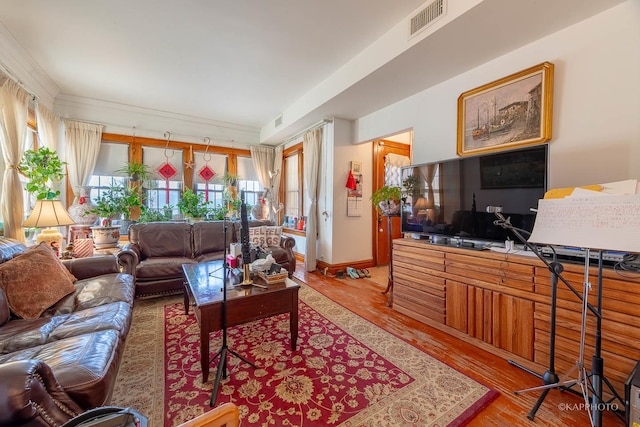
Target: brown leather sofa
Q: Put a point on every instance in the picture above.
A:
(157, 250)
(65, 362)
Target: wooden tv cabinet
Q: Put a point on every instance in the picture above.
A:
(502, 304)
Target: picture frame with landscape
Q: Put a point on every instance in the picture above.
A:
(511, 112)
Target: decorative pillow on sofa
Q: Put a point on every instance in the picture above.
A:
(273, 235)
(258, 236)
(35, 280)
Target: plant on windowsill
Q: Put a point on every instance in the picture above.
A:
(115, 203)
(193, 206)
(155, 215)
(137, 172)
(386, 200)
(43, 169)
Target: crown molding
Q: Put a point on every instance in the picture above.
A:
(121, 119)
(20, 66)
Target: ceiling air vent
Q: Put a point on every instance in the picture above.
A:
(426, 17)
(278, 121)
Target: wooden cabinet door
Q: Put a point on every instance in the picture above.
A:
(513, 324)
(457, 305)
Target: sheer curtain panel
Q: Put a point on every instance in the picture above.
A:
(83, 145)
(262, 162)
(47, 127)
(14, 103)
(311, 145)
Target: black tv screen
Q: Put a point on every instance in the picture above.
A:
(459, 197)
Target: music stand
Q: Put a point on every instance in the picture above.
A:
(590, 221)
(224, 349)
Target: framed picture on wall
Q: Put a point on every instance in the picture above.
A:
(356, 167)
(511, 112)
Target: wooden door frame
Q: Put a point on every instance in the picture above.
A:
(378, 181)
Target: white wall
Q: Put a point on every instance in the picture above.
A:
(351, 236)
(596, 117)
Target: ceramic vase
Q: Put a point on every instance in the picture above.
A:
(105, 237)
(261, 210)
(79, 209)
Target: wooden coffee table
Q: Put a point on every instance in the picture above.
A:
(203, 291)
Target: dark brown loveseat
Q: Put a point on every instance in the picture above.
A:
(157, 250)
(64, 362)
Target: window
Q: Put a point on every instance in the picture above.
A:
(162, 192)
(111, 158)
(216, 165)
(248, 181)
(293, 196)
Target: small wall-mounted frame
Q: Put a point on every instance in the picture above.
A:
(356, 167)
(510, 112)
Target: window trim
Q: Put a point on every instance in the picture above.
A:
(135, 153)
(288, 152)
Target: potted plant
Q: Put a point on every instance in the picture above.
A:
(43, 169)
(108, 207)
(156, 215)
(137, 172)
(192, 205)
(386, 200)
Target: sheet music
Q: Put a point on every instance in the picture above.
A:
(610, 223)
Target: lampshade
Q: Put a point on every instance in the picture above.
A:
(48, 213)
(423, 204)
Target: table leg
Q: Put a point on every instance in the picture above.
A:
(204, 347)
(186, 297)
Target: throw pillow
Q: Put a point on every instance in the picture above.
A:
(35, 280)
(258, 236)
(273, 235)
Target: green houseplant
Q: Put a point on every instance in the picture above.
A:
(155, 215)
(136, 171)
(386, 200)
(192, 205)
(116, 202)
(43, 169)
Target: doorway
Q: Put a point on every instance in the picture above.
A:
(398, 145)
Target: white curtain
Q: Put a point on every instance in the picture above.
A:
(47, 127)
(263, 162)
(311, 147)
(275, 182)
(83, 145)
(14, 103)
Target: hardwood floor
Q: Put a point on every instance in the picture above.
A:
(364, 297)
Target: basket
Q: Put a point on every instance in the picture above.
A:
(273, 278)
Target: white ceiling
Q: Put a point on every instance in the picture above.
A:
(246, 61)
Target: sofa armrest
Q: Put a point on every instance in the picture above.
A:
(83, 268)
(287, 242)
(30, 394)
(128, 258)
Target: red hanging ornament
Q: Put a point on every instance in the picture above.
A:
(351, 182)
(207, 174)
(167, 171)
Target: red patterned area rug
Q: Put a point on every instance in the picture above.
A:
(346, 371)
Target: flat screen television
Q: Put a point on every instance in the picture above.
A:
(456, 200)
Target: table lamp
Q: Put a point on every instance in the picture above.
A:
(49, 213)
